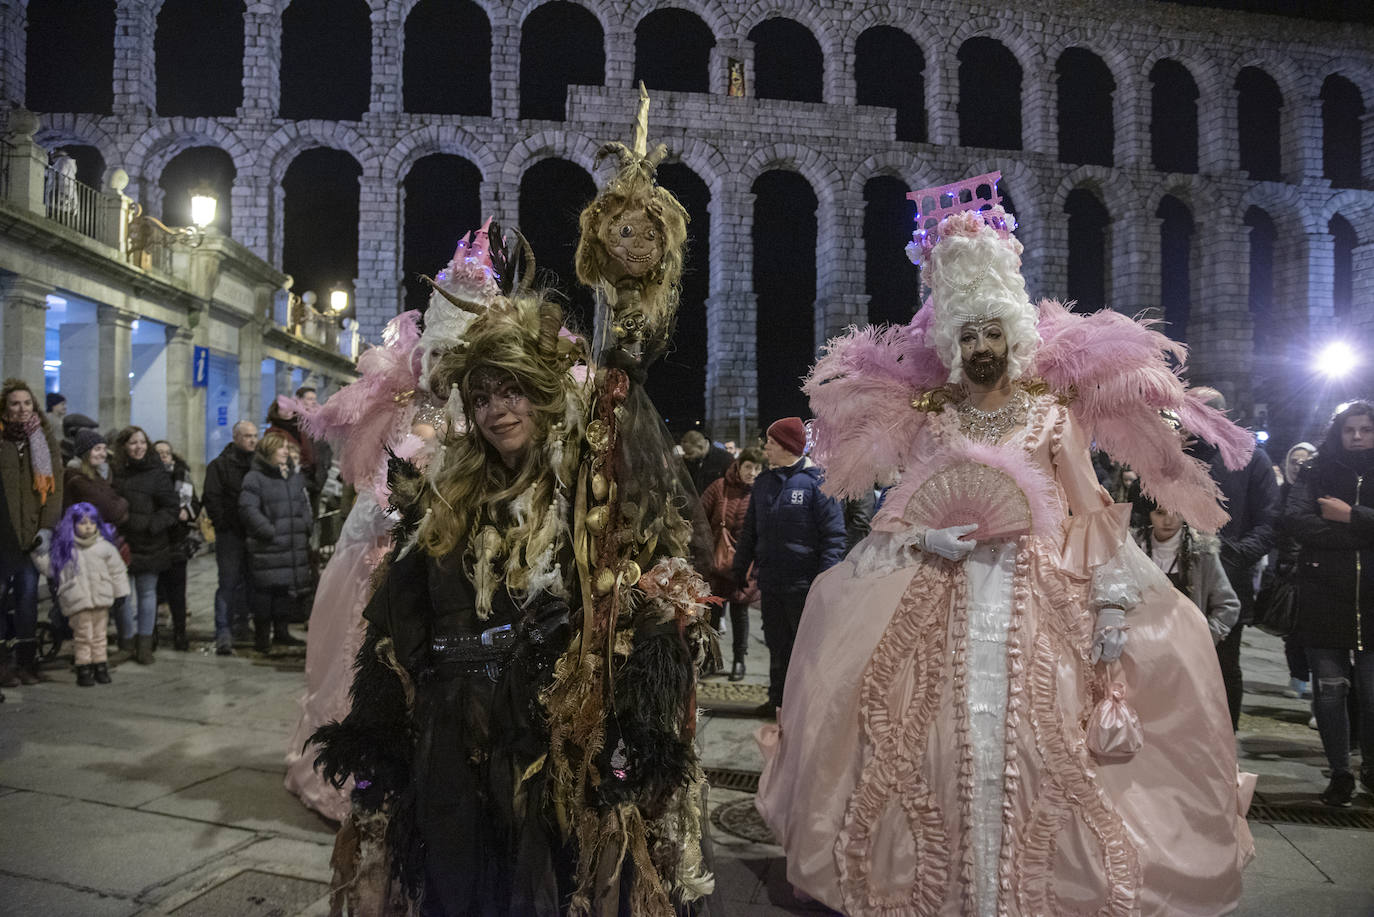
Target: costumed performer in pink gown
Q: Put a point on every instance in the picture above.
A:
(952, 739)
(385, 412)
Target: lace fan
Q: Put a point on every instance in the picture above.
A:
(971, 493)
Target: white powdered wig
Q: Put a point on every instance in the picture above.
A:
(974, 274)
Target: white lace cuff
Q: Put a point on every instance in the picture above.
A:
(1117, 582)
(881, 553)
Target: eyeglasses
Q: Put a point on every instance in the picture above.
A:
(509, 395)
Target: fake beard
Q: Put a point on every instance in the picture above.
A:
(985, 368)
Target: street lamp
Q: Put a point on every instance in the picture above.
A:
(204, 202)
(147, 232)
(1337, 359)
(338, 300)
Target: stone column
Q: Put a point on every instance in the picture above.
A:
(251, 196)
(283, 382)
(135, 76)
(1220, 333)
(13, 52)
(185, 402)
(388, 40)
(25, 323)
(377, 290)
(1367, 148)
(841, 299)
(261, 63)
(251, 397)
(942, 95)
(28, 163)
(620, 59)
(731, 314)
(1132, 142)
(1040, 112)
(1134, 255)
(116, 359)
(505, 67)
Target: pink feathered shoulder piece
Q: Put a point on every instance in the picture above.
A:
(363, 417)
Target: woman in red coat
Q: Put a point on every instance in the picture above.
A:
(725, 502)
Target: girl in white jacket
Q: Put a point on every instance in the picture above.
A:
(90, 575)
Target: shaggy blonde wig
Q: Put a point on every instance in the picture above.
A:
(510, 524)
(974, 274)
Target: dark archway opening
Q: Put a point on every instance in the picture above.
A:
(889, 71)
(785, 286)
(673, 51)
(989, 95)
(892, 282)
(90, 163)
(1175, 265)
(326, 60)
(1085, 87)
(1343, 240)
(190, 168)
(1259, 105)
(447, 66)
(1088, 222)
(442, 197)
(552, 195)
(1342, 132)
(69, 64)
(320, 220)
(677, 383)
(561, 45)
(788, 63)
(1173, 117)
(198, 49)
(1263, 235)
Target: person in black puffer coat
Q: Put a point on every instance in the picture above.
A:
(275, 511)
(140, 479)
(1330, 511)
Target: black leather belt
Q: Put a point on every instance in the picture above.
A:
(472, 654)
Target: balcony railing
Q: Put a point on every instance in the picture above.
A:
(77, 205)
(6, 163)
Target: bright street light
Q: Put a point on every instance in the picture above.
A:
(1337, 359)
(204, 202)
(338, 300)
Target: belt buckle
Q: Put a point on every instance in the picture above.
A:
(489, 635)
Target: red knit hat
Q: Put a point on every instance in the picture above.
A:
(789, 433)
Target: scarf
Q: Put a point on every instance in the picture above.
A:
(40, 458)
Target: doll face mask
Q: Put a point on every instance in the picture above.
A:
(634, 243)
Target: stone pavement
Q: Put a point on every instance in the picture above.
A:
(162, 793)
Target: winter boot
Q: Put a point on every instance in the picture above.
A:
(102, 673)
(143, 649)
(262, 635)
(8, 677)
(26, 655)
(281, 635)
(85, 676)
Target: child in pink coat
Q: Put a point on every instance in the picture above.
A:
(90, 575)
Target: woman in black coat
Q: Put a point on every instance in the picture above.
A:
(275, 511)
(140, 479)
(1330, 511)
(185, 537)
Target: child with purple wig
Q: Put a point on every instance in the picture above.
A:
(90, 575)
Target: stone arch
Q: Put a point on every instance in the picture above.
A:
(1282, 70)
(1360, 72)
(570, 145)
(1117, 57)
(1286, 205)
(154, 149)
(437, 138)
(293, 138)
(1198, 193)
(399, 13)
(812, 165)
(80, 129)
(706, 160)
(804, 12)
(1117, 196)
(886, 162)
(605, 12)
(1022, 45)
(1357, 207)
(711, 12)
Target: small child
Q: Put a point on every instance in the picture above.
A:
(1192, 562)
(90, 575)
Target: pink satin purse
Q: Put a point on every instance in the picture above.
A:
(1114, 732)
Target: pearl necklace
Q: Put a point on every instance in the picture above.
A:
(993, 426)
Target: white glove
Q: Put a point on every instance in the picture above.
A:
(1109, 637)
(44, 541)
(948, 542)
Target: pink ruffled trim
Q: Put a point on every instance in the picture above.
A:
(897, 741)
(1067, 788)
(1016, 702)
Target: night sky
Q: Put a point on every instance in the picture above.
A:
(448, 57)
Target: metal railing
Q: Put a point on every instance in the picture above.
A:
(78, 206)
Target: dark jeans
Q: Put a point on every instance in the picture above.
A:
(1296, 657)
(18, 592)
(1332, 677)
(231, 595)
(1228, 654)
(171, 588)
(782, 613)
(739, 626)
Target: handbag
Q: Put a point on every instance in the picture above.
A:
(723, 559)
(1114, 732)
(1276, 604)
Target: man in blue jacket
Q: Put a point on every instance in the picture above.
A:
(792, 532)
